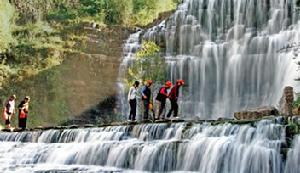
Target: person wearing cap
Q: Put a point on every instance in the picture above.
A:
(173, 96)
(161, 99)
(9, 110)
(146, 96)
(132, 100)
(23, 112)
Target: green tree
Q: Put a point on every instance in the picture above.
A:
(91, 7)
(147, 65)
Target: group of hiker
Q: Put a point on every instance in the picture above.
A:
(9, 110)
(165, 92)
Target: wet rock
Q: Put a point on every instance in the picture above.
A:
(43, 128)
(177, 120)
(88, 125)
(292, 129)
(60, 127)
(286, 101)
(73, 127)
(296, 111)
(256, 113)
(17, 130)
(6, 130)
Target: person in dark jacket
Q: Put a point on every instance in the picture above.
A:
(132, 100)
(173, 96)
(161, 99)
(146, 96)
(23, 112)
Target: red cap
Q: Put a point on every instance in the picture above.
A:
(180, 82)
(168, 84)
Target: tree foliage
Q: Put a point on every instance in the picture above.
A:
(6, 17)
(147, 65)
(129, 12)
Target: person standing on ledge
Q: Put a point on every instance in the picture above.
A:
(161, 99)
(146, 96)
(9, 110)
(23, 112)
(132, 100)
(173, 96)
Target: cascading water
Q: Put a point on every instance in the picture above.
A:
(293, 160)
(186, 146)
(129, 49)
(228, 53)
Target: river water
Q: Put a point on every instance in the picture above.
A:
(199, 147)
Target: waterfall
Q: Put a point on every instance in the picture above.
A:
(227, 51)
(293, 160)
(185, 146)
(130, 47)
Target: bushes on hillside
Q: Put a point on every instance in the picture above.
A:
(147, 65)
(129, 12)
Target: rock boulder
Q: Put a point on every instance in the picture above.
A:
(256, 113)
(286, 101)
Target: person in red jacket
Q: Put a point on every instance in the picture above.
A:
(161, 99)
(173, 96)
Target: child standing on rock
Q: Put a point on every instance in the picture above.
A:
(23, 112)
(9, 110)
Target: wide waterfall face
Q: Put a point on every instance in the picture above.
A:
(228, 53)
(199, 147)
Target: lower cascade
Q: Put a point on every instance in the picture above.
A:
(183, 146)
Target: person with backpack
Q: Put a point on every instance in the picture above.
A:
(173, 96)
(146, 97)
(23, 112)
(132, 100)
(9, 110)
(161, 99)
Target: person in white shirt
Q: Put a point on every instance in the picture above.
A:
(132, 100)
(9, 110)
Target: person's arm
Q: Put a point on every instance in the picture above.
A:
(163, 91)
(7, 106)
(129, 93)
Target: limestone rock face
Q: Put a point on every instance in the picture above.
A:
(286, 101)
(256, 113)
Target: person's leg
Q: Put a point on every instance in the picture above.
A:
(133, 109)
(175, 108)
(157, 103)
(161, 110)
(25, 120)
(146, 109)
(171, 110)
(21, 123)
(7, 123)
